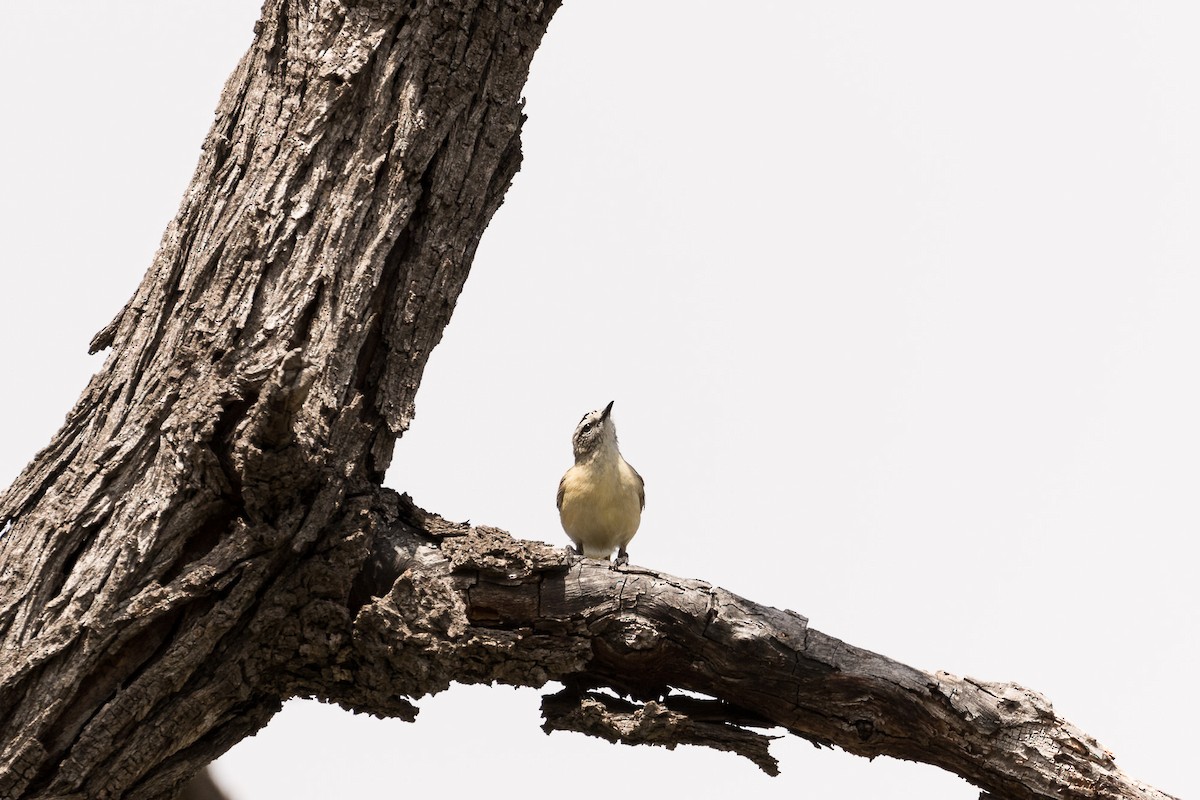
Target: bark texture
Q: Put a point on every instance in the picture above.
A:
(478, 605)
(168, 553)
(207, 535)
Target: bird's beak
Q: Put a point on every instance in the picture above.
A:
(607, 410)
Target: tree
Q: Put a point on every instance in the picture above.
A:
(212, 511)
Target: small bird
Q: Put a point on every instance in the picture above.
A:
(600, 499)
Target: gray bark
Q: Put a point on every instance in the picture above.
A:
(207, 534)
(157, 551)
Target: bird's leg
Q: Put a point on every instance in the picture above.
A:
(622, 558)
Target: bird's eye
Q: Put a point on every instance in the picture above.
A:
(587, 426)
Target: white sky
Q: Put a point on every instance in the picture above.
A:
(897, 302)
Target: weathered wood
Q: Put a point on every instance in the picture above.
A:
(206, 536)
(257, 382)
(486, 607)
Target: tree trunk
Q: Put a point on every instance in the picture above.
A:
(207, 534)
(189, 532)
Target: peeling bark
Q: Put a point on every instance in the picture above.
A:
(207, 535)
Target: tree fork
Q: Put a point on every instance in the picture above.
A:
(206, 535)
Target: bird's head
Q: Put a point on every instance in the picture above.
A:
(594, 432)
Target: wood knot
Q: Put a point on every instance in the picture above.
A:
(637, 634)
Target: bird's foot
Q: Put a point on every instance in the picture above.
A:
(622, 559)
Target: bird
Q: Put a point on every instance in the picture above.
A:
(600, 498)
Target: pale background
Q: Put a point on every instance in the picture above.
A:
(897, 302)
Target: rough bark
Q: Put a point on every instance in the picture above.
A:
(207, 536)
(648, 658)
(155, 553)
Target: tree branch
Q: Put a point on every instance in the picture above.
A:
(654, 723)
(475, 605)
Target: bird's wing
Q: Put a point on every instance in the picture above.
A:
(562, 485)
(641, 487)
